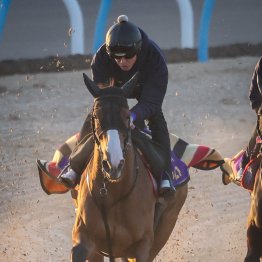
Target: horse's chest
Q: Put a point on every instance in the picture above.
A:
(125, 228)
(258, 212)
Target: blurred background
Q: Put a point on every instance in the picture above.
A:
(37, 29)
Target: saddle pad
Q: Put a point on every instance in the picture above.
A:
(249, 174)
(236, 161)
(180, 173)
(247, 178)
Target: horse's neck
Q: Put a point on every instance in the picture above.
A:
(95, 168)
(256, 203)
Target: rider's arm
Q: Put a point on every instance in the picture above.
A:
(154, 86)
(100, 68)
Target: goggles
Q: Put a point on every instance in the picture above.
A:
(119, 56)
(119, 52)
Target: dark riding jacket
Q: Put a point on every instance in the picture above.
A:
(255, 93)
(153, 76)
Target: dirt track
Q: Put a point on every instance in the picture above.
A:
(206, 104)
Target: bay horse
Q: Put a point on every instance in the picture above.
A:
(116, 202)
(254, 223)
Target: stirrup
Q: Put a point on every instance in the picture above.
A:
(166, 188)
(67, 181)
(170, 181)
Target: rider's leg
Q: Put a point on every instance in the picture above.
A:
(71, 177)
(158, 127)
(61, 157)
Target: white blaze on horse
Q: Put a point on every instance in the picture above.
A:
(116, 202)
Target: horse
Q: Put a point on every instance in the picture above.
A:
(254, 222)
(116, 205)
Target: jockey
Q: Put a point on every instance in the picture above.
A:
(128, 50)
(255, 97)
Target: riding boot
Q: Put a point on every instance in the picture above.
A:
(69, 179)
(166, 188)
(79, 157)
(158, 127)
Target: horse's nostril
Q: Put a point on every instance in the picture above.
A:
(106, 166)
(121, 164)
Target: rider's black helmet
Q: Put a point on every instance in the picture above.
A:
(123, 39)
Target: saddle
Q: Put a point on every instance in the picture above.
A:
(251, 168)
(150, 150)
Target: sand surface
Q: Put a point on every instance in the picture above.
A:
(205, 104)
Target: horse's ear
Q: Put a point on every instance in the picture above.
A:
(91, 86)
(129, 86)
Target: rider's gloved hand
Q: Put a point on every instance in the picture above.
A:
(132, 119)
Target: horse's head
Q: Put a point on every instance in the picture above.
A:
(111, 124)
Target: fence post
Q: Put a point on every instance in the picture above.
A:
(186, 21)
(99, 36)
(77, 25)
(204, 30)
(4, 6)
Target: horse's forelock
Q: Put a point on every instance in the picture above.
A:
(111, 95)
(111, 91)
(108, 110)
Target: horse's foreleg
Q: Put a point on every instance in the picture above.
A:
(97, 258)
(78, 253)
(143, 250)
(167, 221)
(83, 248)
(250, 257)
(253, 244)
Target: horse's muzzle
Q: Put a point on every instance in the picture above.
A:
(113, 173)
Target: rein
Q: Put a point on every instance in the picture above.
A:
(103, 210)
(103, 190)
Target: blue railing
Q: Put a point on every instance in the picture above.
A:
(101, 20)
(4, 6)
(76, 20)
(204, 30)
